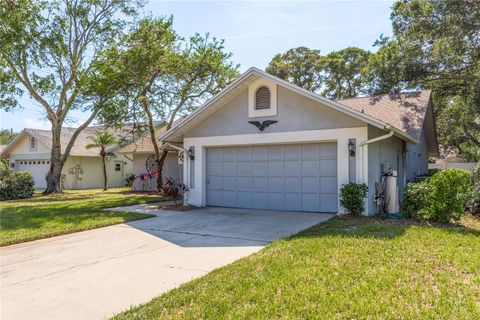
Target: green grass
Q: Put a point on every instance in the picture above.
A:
(48, 216)
(348, 268)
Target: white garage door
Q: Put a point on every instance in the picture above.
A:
(38, 169)
(299, 177)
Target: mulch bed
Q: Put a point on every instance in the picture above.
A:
(177, 207)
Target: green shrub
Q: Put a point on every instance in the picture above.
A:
(473, 200)
(16, 185)
(417, 201)
(352, 197)
(449, 190)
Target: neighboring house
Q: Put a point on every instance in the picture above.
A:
(30, 151)
(300, 161)
(142, 153)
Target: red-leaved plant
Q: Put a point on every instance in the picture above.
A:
(174, 190)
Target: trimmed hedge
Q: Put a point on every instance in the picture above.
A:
(16, 185)
(352, 197)
(441, 198)
(473, 201)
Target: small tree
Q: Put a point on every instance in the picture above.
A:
(102, 140)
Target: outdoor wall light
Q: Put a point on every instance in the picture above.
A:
(191, 153)
(351, 148)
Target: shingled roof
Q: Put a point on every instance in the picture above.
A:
(143, 145)
(79, 148)
(404, 111)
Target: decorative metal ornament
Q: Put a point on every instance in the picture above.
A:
(262, 126)
(150, 163)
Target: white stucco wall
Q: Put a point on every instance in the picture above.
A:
(92, 176)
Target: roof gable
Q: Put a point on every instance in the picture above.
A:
(250, 76)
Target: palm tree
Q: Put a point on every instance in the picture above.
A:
(102, 140)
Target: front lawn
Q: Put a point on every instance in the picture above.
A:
(346, 268)
(47, 216)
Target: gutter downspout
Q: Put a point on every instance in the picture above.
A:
(366, 142)
(388, 135)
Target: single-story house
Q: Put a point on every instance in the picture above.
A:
(30, 151)
(265, 143)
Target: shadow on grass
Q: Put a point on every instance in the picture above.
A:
(376, 228)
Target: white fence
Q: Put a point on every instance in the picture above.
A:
(453, 165)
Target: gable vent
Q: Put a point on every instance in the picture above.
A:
(262, 98)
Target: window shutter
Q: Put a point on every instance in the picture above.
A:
(262, 98)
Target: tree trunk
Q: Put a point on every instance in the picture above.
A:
(54, 175)
(160, 161)
(105, 182)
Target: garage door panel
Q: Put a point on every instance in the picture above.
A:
(215, 168)
(244, 184)
(328, 184)
(292, 184)
(229, 198)
(244, 154)
(280, 177)
(275, 200)
(293, 201)
(259, 168)
(215, 183)
(230, 154)
(310, 201)
(328, 168)
(214, 154)
(275, 153)
(244, 199)
(293, 152)
(229, 183)
(292, 168)
(310, 151)
(259, 153)
(244, 169)
(275, 184)
(328, 202)
(229, 168)
(215, 197)
(310, 168)
(275, 168)
(328, 151)
(259, 184)
(310, 185)
(259, 200)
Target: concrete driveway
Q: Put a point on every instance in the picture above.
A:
(95, 274)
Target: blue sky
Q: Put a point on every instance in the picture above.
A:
(255, 31)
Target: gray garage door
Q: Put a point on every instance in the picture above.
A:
(299, 177)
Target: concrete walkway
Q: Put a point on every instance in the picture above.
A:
(95, 274)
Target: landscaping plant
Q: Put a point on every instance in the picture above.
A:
(442, 198)
(173, 190)
(16, 185)
(473, 201)
(417, 200)
(352, 197)
(450, 188)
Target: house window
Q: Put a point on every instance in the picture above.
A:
(118, 167)
(262, 98)
(33, 143)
